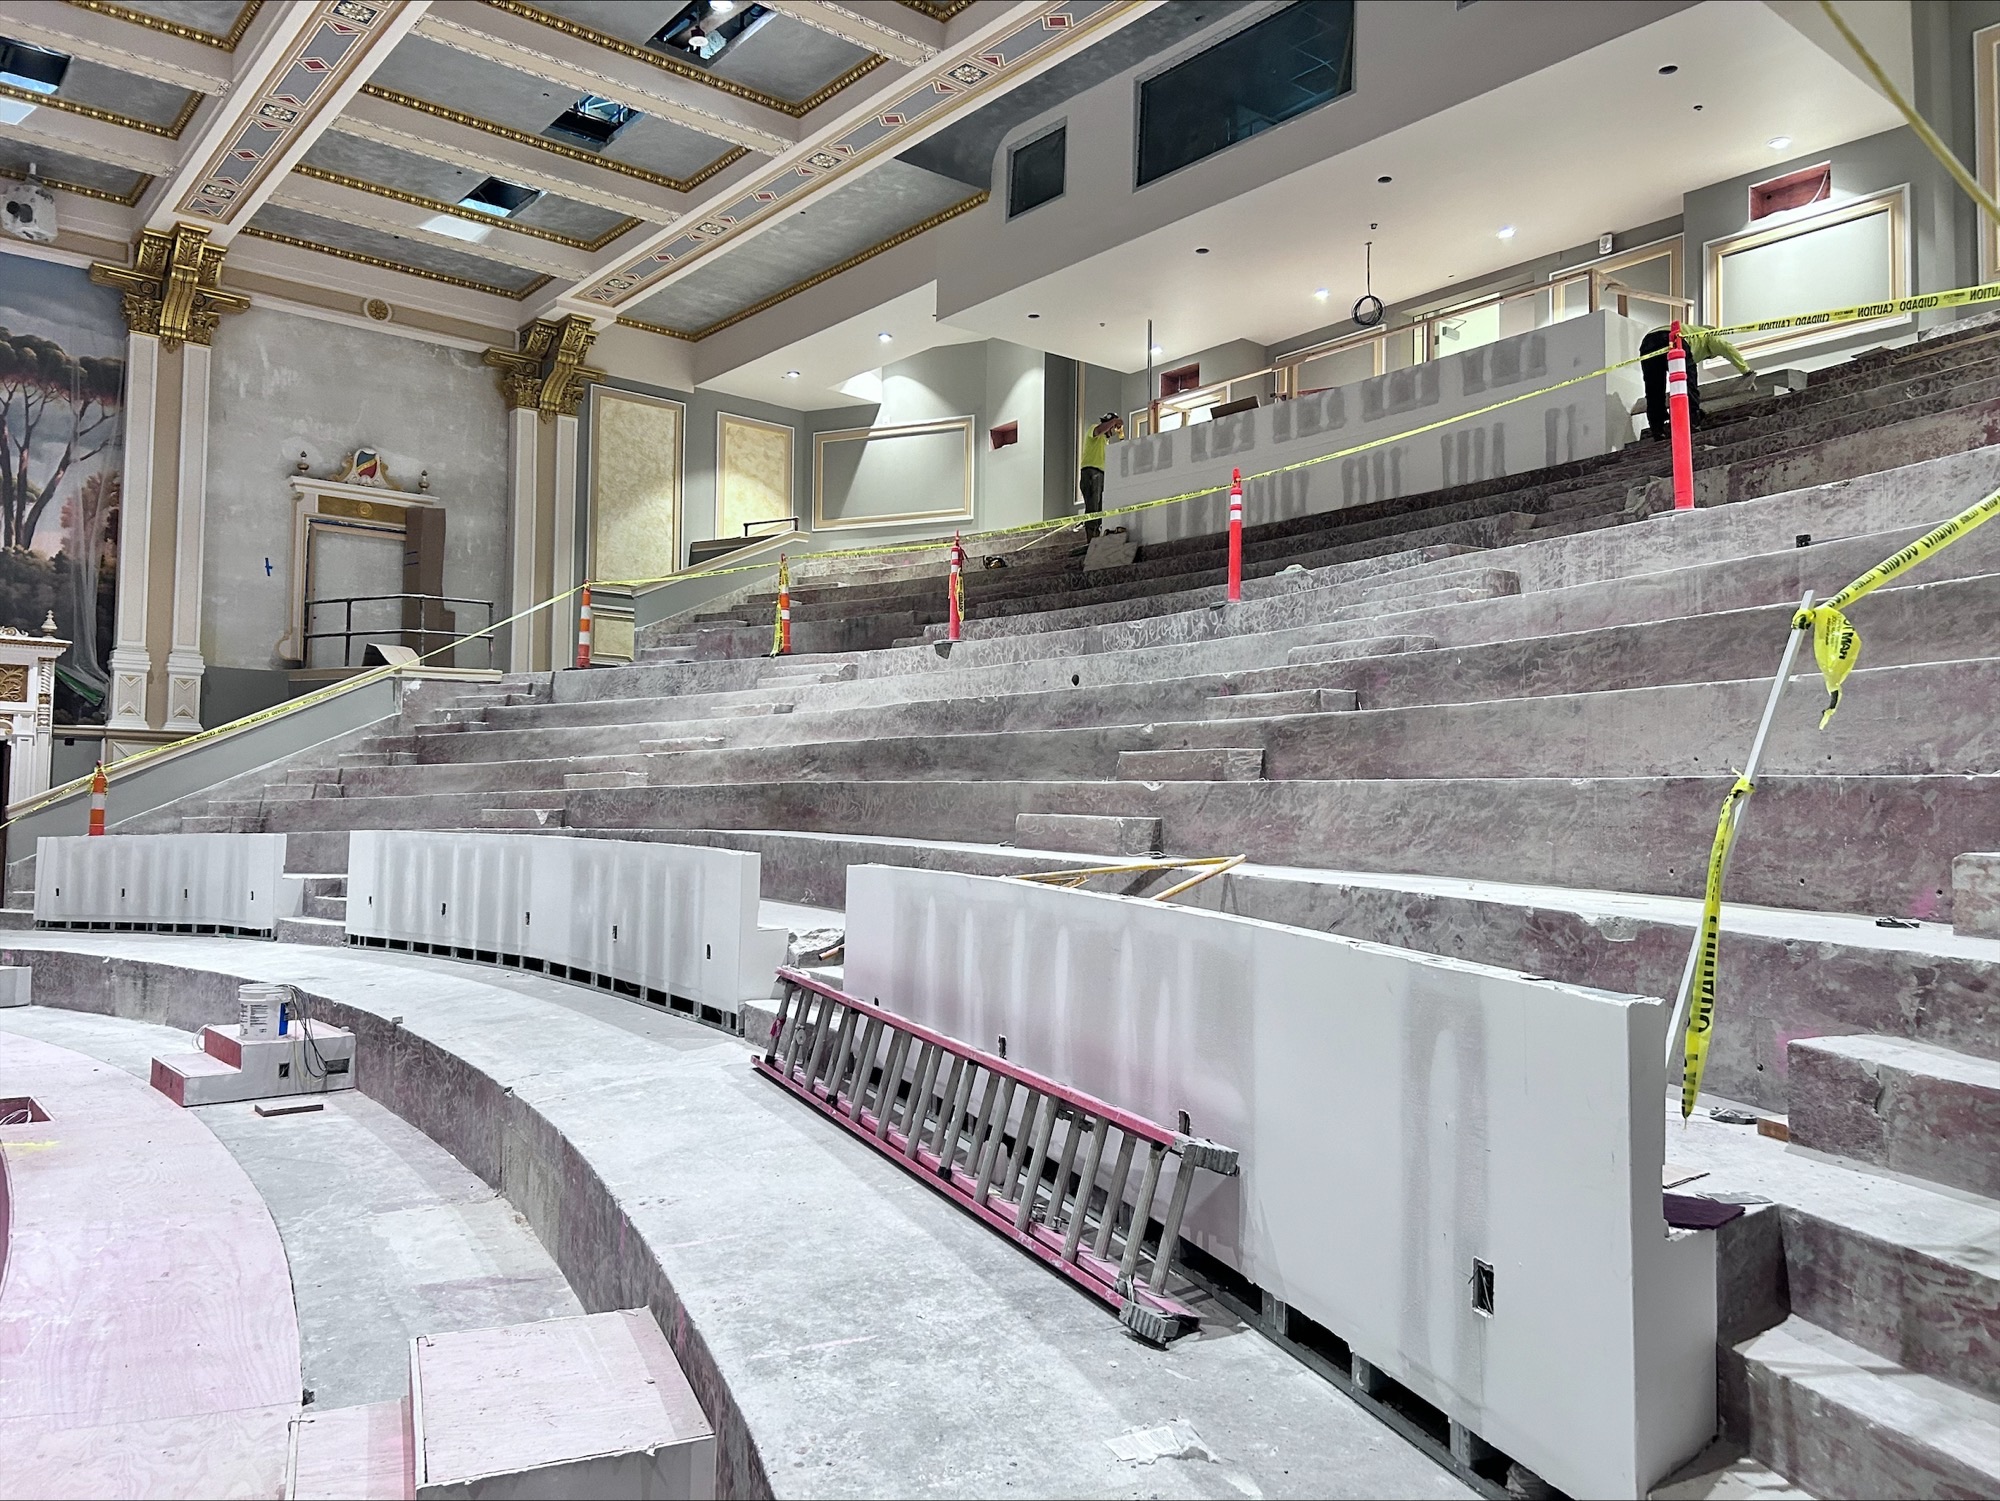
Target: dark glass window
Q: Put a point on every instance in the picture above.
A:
(1035, 172)
(1261, 77)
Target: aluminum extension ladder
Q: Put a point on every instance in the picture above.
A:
(1014, 1163)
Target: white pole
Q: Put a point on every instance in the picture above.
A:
(1686, 991)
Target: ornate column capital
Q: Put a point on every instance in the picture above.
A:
(545, 372)
(172, 288)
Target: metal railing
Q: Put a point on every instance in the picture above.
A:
(426, 638)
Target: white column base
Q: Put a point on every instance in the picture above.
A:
(131, 673)
(184, 672)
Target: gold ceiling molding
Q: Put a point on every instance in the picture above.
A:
(226, 41)
(124, 200)
(668, 63)
(556, 148)
(438, 205)
(545, 372)
(109, 117)
(901, 237)
(363, 259)
(171, 289)
(626, 320)
(937, 10)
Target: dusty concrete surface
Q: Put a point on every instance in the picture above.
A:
(848, 1331)
(387, 1236)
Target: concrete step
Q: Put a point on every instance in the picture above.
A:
(1088, 834)
(1842, 1421)
(1364, 646)
(326, 931)
(329, 908)
(1285, 701)
(1910, 1107)
(516, 818)
(1221, 764)
(361, 1453)
(604, 779)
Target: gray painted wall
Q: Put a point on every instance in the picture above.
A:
(281, 384)
(1861, 167)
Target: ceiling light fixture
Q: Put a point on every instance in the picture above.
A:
(1779, 143)
(1201, 250)
(1322, 294)
(1034, 315)
(1385, 179)
(886, 338)
(1156, 351)
(791, 375)
(721, 7)
(1506, 232)
(1671, 68)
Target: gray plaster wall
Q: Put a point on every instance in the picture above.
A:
(1222, 362)
(1861, 167)
(282, 384)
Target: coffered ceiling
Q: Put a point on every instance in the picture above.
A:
(357, 129)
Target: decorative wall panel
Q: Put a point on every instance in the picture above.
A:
(872, 476)
(635, 484)
(1843, 255)
(753, 476)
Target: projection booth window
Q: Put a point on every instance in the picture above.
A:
(1035, 171)
(1258, 78)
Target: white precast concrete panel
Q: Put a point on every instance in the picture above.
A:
(1576, 422)
(165, 880)
(1399, 1115)
(673, 918)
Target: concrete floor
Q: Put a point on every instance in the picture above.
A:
(387, 1236)
(876, 1340)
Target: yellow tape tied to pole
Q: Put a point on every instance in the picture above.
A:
(1701, 1014)
(1837, 644)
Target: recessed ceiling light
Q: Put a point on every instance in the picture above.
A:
(1156, 351)
(791, 375)
(1779, 143)
(1506, 231)
(1034, 315)
(1322, 294)
(1671, 68)
(1201, 250)
(721, 7)
(886, 338)
(1385, 179)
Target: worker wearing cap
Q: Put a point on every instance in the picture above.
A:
(1090, 479)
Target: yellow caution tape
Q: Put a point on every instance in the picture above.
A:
(1837, 644)
(1701, 1013)
(1923, 303)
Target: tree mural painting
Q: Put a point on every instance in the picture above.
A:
(62, 382)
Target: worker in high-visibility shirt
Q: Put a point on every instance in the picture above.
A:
(1090, 479)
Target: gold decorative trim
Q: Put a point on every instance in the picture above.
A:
(125, 201)
(109, 117)
(438, 205)
(172, 289)
(225, 41)
(901, 237)
(937, 10)
(363, 259)
(545, 372)
(666, 63)
(554, 148)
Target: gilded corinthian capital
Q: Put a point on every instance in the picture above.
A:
(172, 289)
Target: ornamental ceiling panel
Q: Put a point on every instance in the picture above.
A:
(922, 100)
(126, 94)
(217, 18)
(833, 228)
(486, 90)
(77, 173)
(784, 57)
(361, 161)
(379, 247)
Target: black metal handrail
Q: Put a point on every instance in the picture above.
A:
(424, 634)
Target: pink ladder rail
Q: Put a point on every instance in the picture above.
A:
(852, 1062)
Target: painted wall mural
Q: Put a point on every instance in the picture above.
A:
(62, 389)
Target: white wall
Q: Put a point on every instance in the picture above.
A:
(282, 383)
(1398, 1115)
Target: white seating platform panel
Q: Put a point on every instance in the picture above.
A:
(1455, 1169)
(672, 924)
(177, 883)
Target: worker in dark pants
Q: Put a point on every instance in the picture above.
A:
(1090, 477)
(1654, 369)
